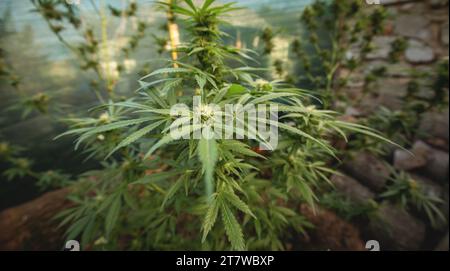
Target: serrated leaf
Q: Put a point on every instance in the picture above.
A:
(155, 96)
(173, 189)
(136, 135)
(239, 147)
(77, 227)
(168, 138)
(166, 70)
(113, 126)
(113, 215)
(232, 198)
(271, 96)
(88, 231)
(155, 177)
(210, 217)
(301, 133)
(232, 228)
(196, 50)
(201, 81)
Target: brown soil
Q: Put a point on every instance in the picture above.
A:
(330, 232)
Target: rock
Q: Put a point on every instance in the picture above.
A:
(396, 229)
(407, 6)
(437, 165)
(444, 34)
(443, 244)
(369, 170)
(370, 66)
(420, 148)
(438, 143)
(417, 157)
(438, 3)
(433, 161)
(435, 124)
(30, 226)
(419, 53)
(425, 92)
(351, 111)
(404, 160)
(430, 188)
(412, 26)
(382, 48)
(352, 188)
(390, 95)
(400, 69)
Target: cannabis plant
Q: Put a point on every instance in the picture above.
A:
(426, 92)
(332, 31)
(203, 188)
(347, 208)
(410, 193)
(94, 52)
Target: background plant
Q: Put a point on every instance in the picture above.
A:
(410, 193)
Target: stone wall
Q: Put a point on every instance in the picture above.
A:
(424, 25)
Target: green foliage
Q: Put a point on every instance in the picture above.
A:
(20, 167)
(62, 17)
(7, 72)
(156, 192)
(410, 193)
(332, 30)
(267, 36)
(151, 186)
(328, 61)
(53, 179)
(38, 102)
(398, 47)
(402, 125)
(346, 208)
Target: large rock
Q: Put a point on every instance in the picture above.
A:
(434, 162)
(438, 3)
(405, 160)
(369, 170)
(413, 26)
(419, 53)
(396, 229)
(30, 226)
(435, 124)
(352, 188)
(390, 94)
(417, 157)
(352, 112)
(437, 165)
